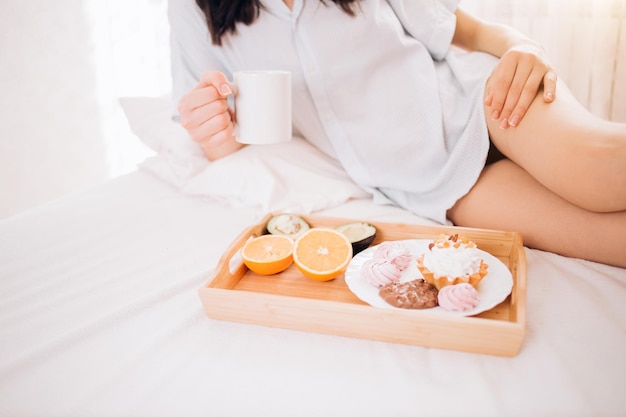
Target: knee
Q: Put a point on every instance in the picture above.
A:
(606, 179)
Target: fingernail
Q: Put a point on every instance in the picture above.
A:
(504, 124)
(495, 115)
(549, 96)
(514, 120)
(225, 90)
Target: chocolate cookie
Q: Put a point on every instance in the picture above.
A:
(416, 294)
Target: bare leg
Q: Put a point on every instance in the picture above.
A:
(506, 197)
(564, 187)
(579, 156)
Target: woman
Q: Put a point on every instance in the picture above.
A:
(486, 139)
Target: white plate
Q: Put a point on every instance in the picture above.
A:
(492, 289)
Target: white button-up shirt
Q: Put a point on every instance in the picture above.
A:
(381, 92)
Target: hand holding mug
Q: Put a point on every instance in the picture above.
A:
(205, 114)
(262, 111)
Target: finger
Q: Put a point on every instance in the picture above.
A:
(216, 79)
(497, 87)
(549, 86)
(205, 110)
(215, 130)
(520, 80)
(488, 99)
(528, 94)
(197, 98)
(219, 138)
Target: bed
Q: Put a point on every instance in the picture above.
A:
(100, 313)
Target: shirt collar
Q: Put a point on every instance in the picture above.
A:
(280, 9)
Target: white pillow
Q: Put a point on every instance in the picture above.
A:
(290, 177)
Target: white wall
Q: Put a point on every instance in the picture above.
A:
(64, 63)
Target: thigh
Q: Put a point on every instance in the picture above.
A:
(506, 197)
(577, 155)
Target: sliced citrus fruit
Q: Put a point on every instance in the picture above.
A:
(268, 254)
(322, 254)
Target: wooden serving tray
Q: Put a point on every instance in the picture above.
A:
(292, 301)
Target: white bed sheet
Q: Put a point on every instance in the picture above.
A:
(100, 316)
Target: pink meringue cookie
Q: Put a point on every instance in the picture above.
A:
(459, 297)
(394, 252)
(378, 272)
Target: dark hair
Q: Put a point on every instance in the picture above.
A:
(222, 16)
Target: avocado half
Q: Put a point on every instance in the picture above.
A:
(360, 234)
(289, 225)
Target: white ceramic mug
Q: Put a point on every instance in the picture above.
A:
(262, 106)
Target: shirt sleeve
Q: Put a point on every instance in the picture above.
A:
(190, 48)
(432, 22)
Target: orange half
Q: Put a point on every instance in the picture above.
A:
(268, 254)
(322, 254)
